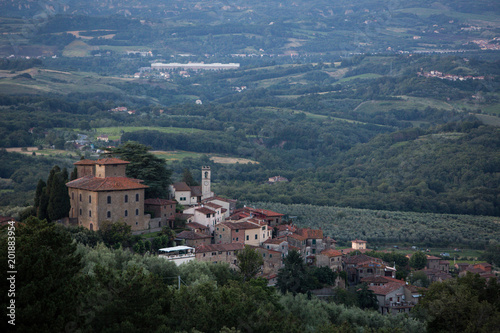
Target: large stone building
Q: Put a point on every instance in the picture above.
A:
(103, 192)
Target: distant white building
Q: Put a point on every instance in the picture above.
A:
(178, 254)
(194, 66)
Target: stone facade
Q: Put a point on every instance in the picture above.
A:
(109, 196)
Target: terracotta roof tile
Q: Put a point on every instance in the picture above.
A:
(298, 237)
(241, 225)
(182, 186)
(111, 161)
(85, 162)
(204, 210)
(196, 225)
(96, 184)
(385, 289)
(211, 204)
(310, 233)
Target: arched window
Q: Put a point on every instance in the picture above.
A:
(126, 197)
(206, 174)
(109, 199)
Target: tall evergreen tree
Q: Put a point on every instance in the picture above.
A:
(74, 174)
(41, 212)
(146, 166)
(58, 204)
(40, 187)
(188, 178)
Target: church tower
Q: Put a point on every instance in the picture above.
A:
(205, 182)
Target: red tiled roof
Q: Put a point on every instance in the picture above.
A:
(361, 258)
(358, 241)
(286, 227)
(385, 289)
(192, 235)
(381, 280)
(210, 204)
(298, 237)
(85, 162)
(291, 247)
(264, 211)
(159, 202)
(220, 247)
(196, 225)
(219, 198)
(433, 258)
(183, 216)
(331, 253)
(241, 225)
(204, 210)
(96, 184)
(310, 233)
(182, 186)
(111, 161)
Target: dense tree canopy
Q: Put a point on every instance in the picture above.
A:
(146, 166)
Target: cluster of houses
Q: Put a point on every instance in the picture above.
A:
(450, 77)
(214, 230)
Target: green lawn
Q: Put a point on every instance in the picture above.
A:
(115, 133)
(176, 155)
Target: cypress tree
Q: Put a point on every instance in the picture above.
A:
(38, 193)
(41, 212)
(74, 174)
(59, 204)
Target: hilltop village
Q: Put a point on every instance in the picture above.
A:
(212, 229)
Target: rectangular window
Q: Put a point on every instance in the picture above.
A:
(248, 237)
(126, 212)
(137, 197)
(256, 237)
(136, 212)
(90, 199)
(126, 198)
(90, 213)
(109, 199)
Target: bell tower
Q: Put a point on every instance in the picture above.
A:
(205, 182)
